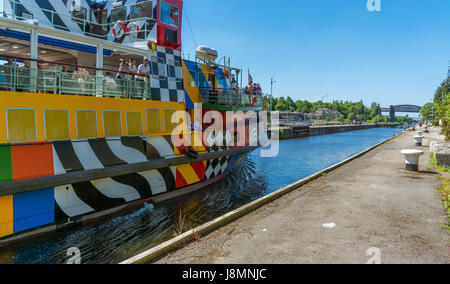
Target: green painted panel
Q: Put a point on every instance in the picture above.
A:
(5, 163)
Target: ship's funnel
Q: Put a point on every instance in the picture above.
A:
(206, 53)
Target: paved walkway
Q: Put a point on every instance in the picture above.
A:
(373, 201)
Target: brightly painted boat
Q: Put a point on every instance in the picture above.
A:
(75, 146)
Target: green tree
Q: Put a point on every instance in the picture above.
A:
(427, 111)
(442, 106)
(281, 105)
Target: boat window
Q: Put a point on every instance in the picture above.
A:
(141, 10)
(118, 14)
(134, 123)
(171, 36)
(169, 14)
(202, 81)
(222, 82)
(153, 120)
(168, 125)
(86, 124)
(21, 125)
(190, 79)
(112, 123)
(56, 124)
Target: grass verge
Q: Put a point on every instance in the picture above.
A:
(444, 189)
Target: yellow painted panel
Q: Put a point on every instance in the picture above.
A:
(21, 125)
(41, 102)
(57, 125)
(86, 124)
(188, 173)
(153, 120)
(168, 125)
(113, 126)
(6, 216)
(134, 123)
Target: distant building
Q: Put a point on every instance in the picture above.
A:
(355, 120)
(322, 112)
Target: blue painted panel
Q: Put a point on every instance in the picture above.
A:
(33, 209)
(189, 103)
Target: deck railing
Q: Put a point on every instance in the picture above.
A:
(86, 26)
(55, 80)
(23, 79)
(231, 97)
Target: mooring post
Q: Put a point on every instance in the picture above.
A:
(419, 140)
(412, 159)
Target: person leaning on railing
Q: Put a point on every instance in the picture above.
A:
(132, 71)
(122, 77)
(143, 77)
(23, 77)
(81, 76)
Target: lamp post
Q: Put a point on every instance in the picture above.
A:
(271, 91)
(323, 116)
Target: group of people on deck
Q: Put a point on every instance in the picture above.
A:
(251, 89)
(130, 74)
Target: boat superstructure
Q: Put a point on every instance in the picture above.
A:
(80, 139)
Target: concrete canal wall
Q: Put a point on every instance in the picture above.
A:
(289, 132)
(322, 130)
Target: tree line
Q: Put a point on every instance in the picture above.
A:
(347, 109)
(439, 110)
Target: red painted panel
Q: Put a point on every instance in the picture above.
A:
(199, 169)
(180, 182)
(31, 160)
(161, 27)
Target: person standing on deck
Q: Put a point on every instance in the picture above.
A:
(142, 78)
(122, 77)
(132, 71)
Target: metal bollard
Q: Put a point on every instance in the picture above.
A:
(419, 140)
(412, 159)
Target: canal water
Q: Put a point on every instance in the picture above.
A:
(122, 237)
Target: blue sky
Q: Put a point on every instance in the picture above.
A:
(337, 48)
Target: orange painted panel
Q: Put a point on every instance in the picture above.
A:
(31, 160)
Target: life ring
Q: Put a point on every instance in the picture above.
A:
(119, 30)
(132, 30)
(73, 5)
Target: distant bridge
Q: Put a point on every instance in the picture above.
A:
(401, 108)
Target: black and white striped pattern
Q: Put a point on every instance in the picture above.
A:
(98, 195)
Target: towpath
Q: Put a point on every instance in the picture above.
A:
(371, 202)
